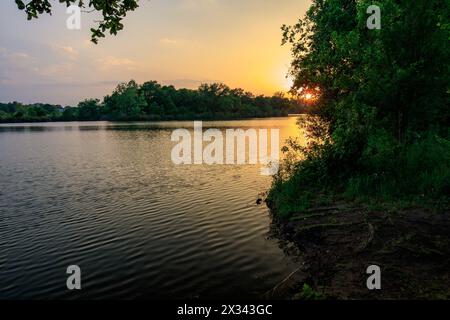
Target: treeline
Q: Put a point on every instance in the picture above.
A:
(153, 101)
(18, 112)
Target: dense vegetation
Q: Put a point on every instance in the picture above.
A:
(152, 101)
(380, 127)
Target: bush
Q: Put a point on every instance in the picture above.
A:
(419, 169)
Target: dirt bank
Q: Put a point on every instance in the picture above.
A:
(336, 244)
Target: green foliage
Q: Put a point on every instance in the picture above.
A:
(15, 111)
(89, 110)
(113, 12)
(309, 293)
(152, 101)
(125, 103)
(419, 169)
(70, 114)
(380, 127)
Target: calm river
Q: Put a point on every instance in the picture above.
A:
(107, 197)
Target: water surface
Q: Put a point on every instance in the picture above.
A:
(107, 197)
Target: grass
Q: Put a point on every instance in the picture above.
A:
(308, 293)
(387, 176)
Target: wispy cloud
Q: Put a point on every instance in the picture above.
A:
(27, 66)
(20, 60)
(168, 41)
(67, 51)
(6, 81)
(109, 62)
(58, 69)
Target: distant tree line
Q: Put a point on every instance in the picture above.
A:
(153, 101)
(18, 112)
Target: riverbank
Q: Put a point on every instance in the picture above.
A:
(336, 244)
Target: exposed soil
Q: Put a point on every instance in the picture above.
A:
(335, 246)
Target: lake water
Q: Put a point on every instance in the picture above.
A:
(107, 197)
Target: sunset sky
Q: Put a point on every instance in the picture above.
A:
(179, 42)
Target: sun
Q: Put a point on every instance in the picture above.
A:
(308, 96)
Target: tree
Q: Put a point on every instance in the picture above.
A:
(125, 103)
(113, 12)
(150, 91)
(380, 124)
(213, 93)
(159, 98)
(70, 114)
(373, 75)
(153, 101)
(88, 109)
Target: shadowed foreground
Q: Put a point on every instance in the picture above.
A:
(336, 245)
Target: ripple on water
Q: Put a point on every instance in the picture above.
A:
(109, 200)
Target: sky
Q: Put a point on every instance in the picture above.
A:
(178, 42)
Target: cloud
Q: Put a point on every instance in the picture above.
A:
(110, 62)
(20, 56)
(19, 60)
(22, 65)
(59, 69)
(67, 51)
(168, 41)
(6, 81)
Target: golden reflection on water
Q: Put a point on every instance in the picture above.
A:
(107, 196)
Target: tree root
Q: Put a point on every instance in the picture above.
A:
(369, 240)
(282, 286)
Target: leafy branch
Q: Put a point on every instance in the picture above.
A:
(113, 12)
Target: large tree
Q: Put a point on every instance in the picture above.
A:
(113, 11)
(400, 73)
(381, 120)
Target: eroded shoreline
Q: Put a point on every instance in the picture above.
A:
(336, 244)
